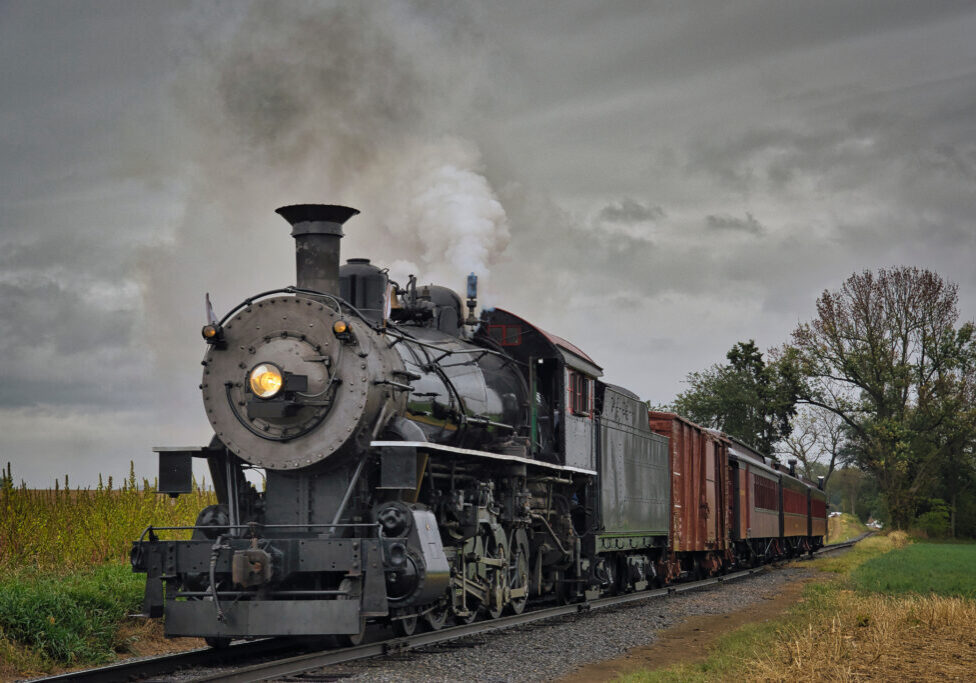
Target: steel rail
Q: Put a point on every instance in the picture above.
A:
(303, 663)
(141, 667)
(134, 669)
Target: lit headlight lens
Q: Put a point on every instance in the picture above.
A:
(265, 380)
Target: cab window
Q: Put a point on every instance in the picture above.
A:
(579, 393)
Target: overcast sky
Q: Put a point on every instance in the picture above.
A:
(652, 181)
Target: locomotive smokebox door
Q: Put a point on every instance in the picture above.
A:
(176, 469)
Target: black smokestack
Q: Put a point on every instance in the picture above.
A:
(317, 229)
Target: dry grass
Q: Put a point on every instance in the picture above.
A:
(137, 638)
(875, 637)
(836, 633)
(18, 662)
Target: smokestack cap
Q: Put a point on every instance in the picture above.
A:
(316, 219)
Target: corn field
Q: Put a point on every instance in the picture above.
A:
(61, 529)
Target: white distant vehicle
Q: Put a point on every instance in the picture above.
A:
(875, 525)
(835, 514)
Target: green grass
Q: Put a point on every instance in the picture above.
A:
(69, 619)
(922, 568)
(844, 527)
(65, 582)
(873, 546)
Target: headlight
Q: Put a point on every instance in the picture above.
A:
(265, 380)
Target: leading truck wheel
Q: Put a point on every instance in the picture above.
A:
(405, 627)
(349, 586)
(437, 617)
(353, 639)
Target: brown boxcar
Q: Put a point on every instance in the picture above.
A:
(699, 486)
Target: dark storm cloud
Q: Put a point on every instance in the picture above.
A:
(42, 312)
(71, 72)
(629, 210)
(749, 224)
(69, 223)
(775, 158)
(63, 346)
(660, 43)
(67, 255)
(144, 148)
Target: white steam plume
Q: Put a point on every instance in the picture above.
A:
(448, 209)
(363, 104)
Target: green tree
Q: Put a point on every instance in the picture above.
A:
(884, 354)
(935, 521)
(844, 491)
(747, 398)
(957, 486)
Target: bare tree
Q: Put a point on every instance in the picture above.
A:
(884, 355)
(818, 438)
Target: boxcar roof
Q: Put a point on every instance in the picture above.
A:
(664, 415)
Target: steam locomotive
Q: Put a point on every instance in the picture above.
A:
(423, 466)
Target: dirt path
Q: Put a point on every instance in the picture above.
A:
(690, 640)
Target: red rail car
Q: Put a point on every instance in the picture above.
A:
(756, 509)
(818, 515)
(774, 512)
(699, 533)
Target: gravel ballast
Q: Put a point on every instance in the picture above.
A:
(547, 650)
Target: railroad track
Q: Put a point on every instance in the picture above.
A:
(150, 668)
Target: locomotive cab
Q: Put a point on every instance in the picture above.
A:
(562, 381)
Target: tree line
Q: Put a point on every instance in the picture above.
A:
(877, 394)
